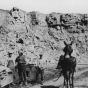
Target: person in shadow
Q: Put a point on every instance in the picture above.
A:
(21, 62)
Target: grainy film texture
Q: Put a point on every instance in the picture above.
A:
(32, 44)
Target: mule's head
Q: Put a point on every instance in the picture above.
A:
(68, 49)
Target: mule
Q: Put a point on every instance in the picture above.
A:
(67, 63)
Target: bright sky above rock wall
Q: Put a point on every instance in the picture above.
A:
(47, 6)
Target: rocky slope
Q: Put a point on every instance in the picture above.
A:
(36, 33)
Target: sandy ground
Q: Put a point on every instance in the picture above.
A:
(80, 80)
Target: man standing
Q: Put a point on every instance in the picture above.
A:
(21, 68)
(40, 68)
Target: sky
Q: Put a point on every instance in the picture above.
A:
(47, 6)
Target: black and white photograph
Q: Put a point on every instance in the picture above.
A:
(43, 43)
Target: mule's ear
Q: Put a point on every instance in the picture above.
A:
(71, 43)
(65, 43)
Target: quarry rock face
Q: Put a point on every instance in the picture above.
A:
(37, 33)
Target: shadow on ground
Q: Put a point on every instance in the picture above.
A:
(50, 86)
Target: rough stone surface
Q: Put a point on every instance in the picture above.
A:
(43, 34)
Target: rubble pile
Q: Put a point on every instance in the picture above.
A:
(36, 33)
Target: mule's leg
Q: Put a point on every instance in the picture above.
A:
(67, 82)
(64, 79)
(64, 83)
(67, 79)
(72, 79)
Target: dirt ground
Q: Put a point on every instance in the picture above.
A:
(80, 79)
